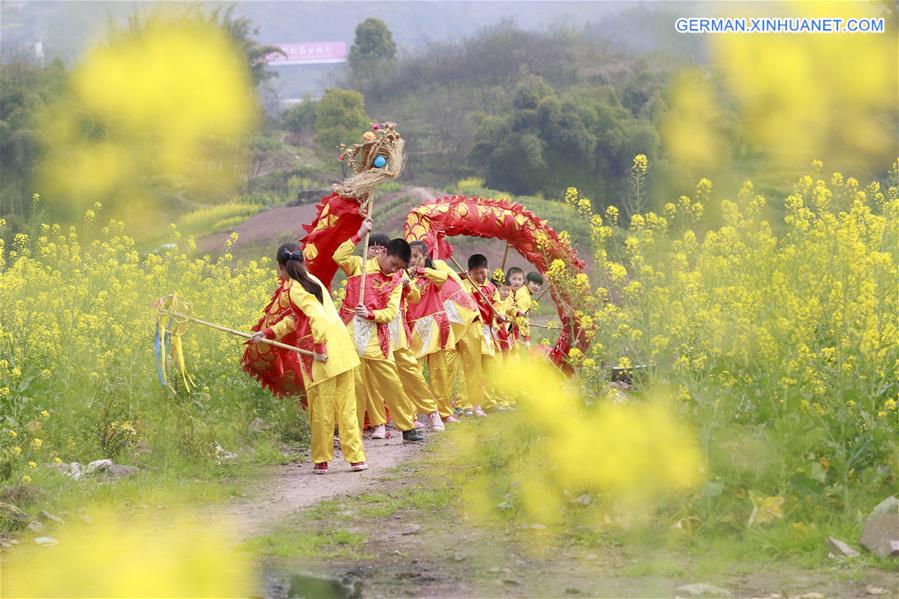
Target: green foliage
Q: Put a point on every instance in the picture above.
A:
(340, 118)
(297, 184)
(296, 542)
(25, 88)
(373, 47)
(469, 186)
(244, 32)
(757, 328)
(543, 140)
(217, 218)
(77, 369)
(529, 112)
(300, 118)
(261, 148)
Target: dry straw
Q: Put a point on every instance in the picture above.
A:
(384, 140)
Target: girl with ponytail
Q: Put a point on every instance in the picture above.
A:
(328, 378)
(292, 266)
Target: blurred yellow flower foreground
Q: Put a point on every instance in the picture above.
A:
(127, 556)
(617, 455)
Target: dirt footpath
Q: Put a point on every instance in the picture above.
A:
(293, 487)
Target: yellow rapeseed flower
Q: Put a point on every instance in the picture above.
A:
(641, 163)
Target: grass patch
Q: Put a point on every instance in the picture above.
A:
(384, 504)
(217, 218)
(710, 551)
(298, 542)
(655, 566)
(181, 487)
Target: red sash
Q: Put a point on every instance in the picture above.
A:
(488, 289)
(452, 291)
(430, 305)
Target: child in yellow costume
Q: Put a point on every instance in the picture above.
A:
(377, 243)
(328, 377)
(407, 366)
(465, 321)
(431, 332)
(367, 319)
(487, 297)
(521, 299)
(502, 330)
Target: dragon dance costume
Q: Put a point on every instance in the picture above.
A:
(329, 385)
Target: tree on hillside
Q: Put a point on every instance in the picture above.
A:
(469, 108)
(340, 118)
(544, 142)
(300, 118)
(25, 88)
(372, 47)
(244, 32)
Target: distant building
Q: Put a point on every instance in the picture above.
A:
(309, 53)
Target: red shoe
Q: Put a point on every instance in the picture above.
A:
(321, 468)
(358, 466)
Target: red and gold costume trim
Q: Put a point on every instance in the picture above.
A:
(532, 237)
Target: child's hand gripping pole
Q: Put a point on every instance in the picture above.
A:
(477, 288)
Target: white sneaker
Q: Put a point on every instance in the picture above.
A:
(436, 422)
(380, 432)
(479, 412)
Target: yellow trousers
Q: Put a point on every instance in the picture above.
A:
(361, 396)
(440, 382)
(413, 381)
(507, 359)
(452, 367)
(383, 386)
(490, 365)
(468, 349)
(331, 402)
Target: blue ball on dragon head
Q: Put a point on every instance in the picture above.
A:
(379, 162)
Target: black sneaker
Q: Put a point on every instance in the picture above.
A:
(413, 436)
